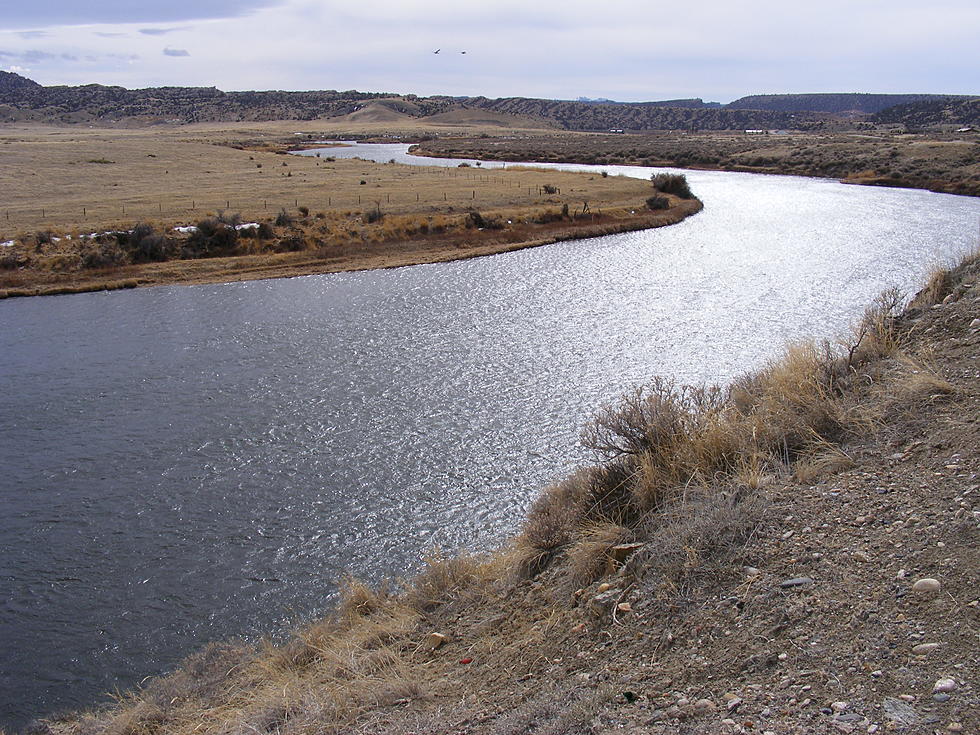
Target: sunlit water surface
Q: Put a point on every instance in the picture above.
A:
(188, 463)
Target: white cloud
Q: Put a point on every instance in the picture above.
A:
(626, 49)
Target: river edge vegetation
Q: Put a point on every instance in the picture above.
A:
(95, 210)
(942, 162)
(795, 553)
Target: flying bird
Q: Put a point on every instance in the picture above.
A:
(437, 50)
(462, 52)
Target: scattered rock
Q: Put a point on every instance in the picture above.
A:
(703, 707)
(733, 704)
(923, 648)
(622, 552)
(604, 587)
(435, 640)
(944, 685)
(795, 582)
(839, 706)
(580, 628)
(751, 572)
(656, 716)
(927, 586)
(899, 712)
(954, 727)
(941, 697)
(624, 607)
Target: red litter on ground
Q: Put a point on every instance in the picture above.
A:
(466, 660)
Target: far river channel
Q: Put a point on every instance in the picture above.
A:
(185, 464)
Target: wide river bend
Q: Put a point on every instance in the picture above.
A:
(188, 463)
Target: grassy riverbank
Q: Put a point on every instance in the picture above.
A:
(947, 162)
(796, 553)
(96, 209)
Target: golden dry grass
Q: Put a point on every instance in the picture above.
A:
(58, 184)
(82, 180)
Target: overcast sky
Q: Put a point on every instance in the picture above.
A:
(629, 50)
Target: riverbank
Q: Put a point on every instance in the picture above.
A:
(796, 554)
(97, 210)
(315, 256)
(947, 163)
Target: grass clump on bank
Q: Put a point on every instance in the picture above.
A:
(665, 445)
(675, 184)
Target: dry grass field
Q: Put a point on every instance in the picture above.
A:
(58, 185)
(70, 179)
(947, 162)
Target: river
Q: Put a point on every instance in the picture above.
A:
(188, 463)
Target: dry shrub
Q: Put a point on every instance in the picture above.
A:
(794, 401)
(442, 580)
(877, 334)
(589, 557)
(937, 286)
(699, 535)
(819, 460)
(357, 599)
(557, 512)
(558, 708)
(915, 378)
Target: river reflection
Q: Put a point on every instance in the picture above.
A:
(183, 464)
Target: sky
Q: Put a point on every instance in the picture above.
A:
(627, 50)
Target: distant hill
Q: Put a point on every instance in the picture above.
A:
(838, 104)
(634, 116)
(22, 99)
(692, 103)
(945, 111)
(11, 83)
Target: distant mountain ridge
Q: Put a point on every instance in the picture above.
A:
(843, 103)
(22, 99)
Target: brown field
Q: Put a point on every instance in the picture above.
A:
(944, 162)
(72, 182)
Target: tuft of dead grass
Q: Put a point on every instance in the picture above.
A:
(589, 555)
